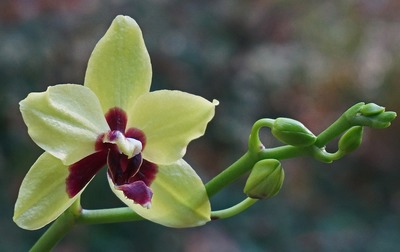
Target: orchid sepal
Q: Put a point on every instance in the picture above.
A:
(42, 196)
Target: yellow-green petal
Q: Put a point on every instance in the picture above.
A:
(179, 197)
(170, 120)
(65, 121)
(42, 196)
(119, 69)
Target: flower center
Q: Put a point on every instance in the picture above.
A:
(126, 145)
(128, 171)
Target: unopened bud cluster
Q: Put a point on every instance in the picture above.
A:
(372, 115)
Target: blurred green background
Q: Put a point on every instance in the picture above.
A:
(308, 60)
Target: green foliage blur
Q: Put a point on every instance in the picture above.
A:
(308, 60)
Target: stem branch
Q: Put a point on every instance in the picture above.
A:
(111, 215)
(230, 174)
(234, 210)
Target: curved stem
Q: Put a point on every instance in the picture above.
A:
(234, 210)
(254, 139)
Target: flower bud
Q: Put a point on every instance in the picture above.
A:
(351, 139)
(371, 109)
(292, 132)
(381, 120)
(265, 180)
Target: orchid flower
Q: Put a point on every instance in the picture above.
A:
(114, 121)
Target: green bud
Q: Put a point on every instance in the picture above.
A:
(370, 115)
(371, 109)
(384, 119)
(265, 180)
(381, 120)
(292, 132)
(351, 139)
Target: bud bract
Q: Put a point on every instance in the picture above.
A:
(265, 179)
(292, 132)
(371, 109)
(351, 139)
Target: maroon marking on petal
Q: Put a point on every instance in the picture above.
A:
(100, 146)
(116, 119)
(120, 168)
(136, 134)
(147, 173)
(137, 191)
(81, 172)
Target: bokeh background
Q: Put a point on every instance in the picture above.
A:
(308, 60)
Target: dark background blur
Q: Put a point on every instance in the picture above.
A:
(309, 60)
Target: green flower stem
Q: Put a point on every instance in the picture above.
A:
(343, 123)
(230, 174)
(229, 212)
(75, 215)
(334, 130)
(55, 233)
(284, 152)
(58, 229)
(111, 215)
